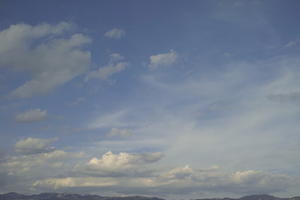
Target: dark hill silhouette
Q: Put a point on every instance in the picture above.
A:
(64, 196)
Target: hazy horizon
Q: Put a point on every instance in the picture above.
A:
(174, 99)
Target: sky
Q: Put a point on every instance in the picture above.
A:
(174, 99)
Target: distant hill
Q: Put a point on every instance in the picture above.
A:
(63, 196)
(255, 197)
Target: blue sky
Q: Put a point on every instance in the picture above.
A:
(164, 98)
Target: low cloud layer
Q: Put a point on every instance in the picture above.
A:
(127, 173)
(183, 181)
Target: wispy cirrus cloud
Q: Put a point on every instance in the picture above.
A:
(32, 115)
(119, 132)
(115, 33)
(114, 66)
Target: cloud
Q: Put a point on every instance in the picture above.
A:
(107, 71)
(36, 161)
(285, 97)
(252, 181)
(41, 50)
(179, 173)
(122, 164)
(119, 132)
(214, 118)
(32, 115)
(114, 66)
(57, 183)
(290, 44)
(189, 180)
(34, 146)
(77, 101)
(164, 59)
(131, 173)
(39, 164)
(115, 33)
(114, 57)
(183, 181)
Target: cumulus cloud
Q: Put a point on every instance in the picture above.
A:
(119, 132)
(162, 60)
(33, 146)
(122, 164)
(115, 33)
(41, 50)
(32, 115)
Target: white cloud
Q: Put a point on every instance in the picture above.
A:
(51, 59)
(179, 173)
(36, 161)
(190, 180)
(130, 173)
(119, 132)
(57, 183)
(183, 181)
(114, 57)
(107, 71)
(34, 165)
(111, 161)
(164, 59)
(32, 115)
(122, 164)
(216, 119)
(33, 146)
(115, 33)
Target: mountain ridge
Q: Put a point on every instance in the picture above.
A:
(73, 196)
